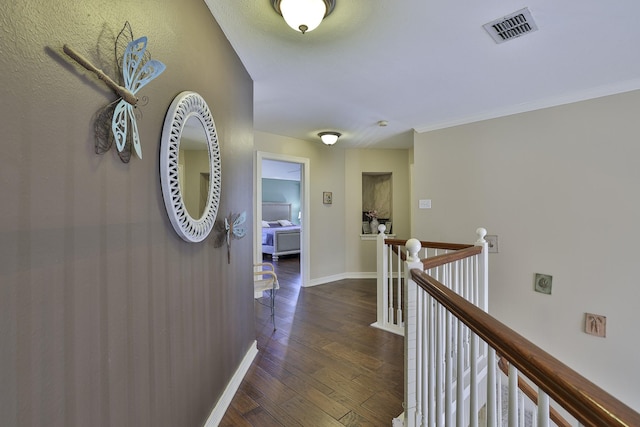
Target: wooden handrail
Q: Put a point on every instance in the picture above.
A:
(533, 395)
(396, 243)
(430, 245)
(443, 259)
(588, 403)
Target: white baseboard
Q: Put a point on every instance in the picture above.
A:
(398, 421)
(326, 279)
(223, 403)
(362, 275)
(341, 276)
(389, 328)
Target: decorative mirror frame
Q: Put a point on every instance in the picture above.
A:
(185, 105)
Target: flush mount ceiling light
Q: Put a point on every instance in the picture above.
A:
(329, 138)
(303, 15)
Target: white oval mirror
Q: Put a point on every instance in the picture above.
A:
(190, 167)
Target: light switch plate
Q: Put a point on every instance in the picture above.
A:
(424, 203)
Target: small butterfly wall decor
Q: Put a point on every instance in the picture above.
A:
(137, 70)
(230, 228)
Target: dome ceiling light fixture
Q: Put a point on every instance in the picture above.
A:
(303, 15)
(329, 138)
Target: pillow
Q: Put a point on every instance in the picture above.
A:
(265, 224)
(284, 222)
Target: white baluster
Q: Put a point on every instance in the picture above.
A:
(389, 293)
(448, 357)
(439, 365)
(521, 408)
(492, 404)
(460, 377)
(468, 282)
(410, 381)
(431, 391)
(483, 270)
(427, 372)
(473, 383)
(513, 396)
(473, 281)
(399, 315)
(382, 272)
(500, 398)
(421, 366)
(543, 409)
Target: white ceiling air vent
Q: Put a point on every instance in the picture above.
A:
(511, 26)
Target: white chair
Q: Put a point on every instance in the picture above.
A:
(266, 280)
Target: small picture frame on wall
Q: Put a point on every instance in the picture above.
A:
(327, 197)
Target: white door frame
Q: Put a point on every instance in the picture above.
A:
(304, 202)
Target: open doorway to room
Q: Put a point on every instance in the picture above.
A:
(282, 187)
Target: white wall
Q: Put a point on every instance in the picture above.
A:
(326, 225)
(560, 188)
(336, 248)
(361, 254)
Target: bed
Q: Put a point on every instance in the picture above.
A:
(279, 238)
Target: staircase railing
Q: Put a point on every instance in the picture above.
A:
(444, 364)
(452, 373)
(391, 256)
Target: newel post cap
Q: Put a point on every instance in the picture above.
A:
(413, 247)
(481, 232)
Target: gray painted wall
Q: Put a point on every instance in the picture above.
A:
(107, 318)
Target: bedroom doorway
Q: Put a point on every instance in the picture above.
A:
(283, 181)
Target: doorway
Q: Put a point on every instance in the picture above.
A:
(300, 212)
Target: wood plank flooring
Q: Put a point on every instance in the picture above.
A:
(324, 365)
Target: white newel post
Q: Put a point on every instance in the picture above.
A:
(410, 325)
(483, 271)
(382, 268)
(430, 338)
(482, 302)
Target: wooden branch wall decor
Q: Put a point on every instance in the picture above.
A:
(137, 69)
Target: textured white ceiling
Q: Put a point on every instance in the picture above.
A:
(425, 64)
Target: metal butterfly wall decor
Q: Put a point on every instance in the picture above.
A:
(232, 227)
(137, 69)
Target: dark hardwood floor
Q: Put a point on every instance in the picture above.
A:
(324, 365)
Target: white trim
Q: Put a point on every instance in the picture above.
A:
(375, 236)
(398, 421)
(232, 387)
(398, 330)
(585, 95)
(341, 276)
(305, 177)
(326, 279)
(362, 275)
